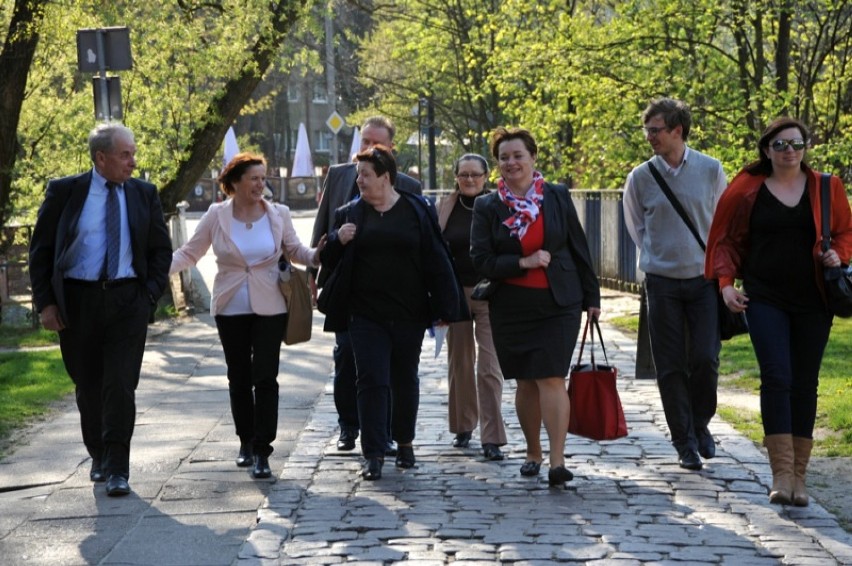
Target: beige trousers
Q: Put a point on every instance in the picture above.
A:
(475, 396)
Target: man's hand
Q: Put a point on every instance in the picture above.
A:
(50, 318)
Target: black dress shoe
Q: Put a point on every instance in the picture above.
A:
(492, 452)
(706, 444)
(246, 456)
(689, 460)
(405, 457)
(462, 439)
(530, 468)
(558, 476)
(261, 468)
(372, 469)
(390, 449)
(96, 474)
(346, 440)
(117, 486)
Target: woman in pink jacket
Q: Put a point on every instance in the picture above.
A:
(248, 235)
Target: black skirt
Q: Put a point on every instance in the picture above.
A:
(534, 337)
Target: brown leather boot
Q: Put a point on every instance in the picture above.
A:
(801, 456)
(780, 448)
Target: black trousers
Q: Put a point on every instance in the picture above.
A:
(252, 346)
(683, 322)
(102, 347)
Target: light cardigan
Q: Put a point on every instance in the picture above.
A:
(214, 229)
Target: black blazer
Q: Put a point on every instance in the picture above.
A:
(445, 293)
(496, 254)
(335, 193)
(57, 224)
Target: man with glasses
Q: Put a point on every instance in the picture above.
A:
(682, 304)
(340, 188)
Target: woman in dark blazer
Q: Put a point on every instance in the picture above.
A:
(527, 239)
(392, 276)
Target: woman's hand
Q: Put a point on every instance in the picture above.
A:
(830, 258)
(593, 313)
(320, 245)
(734, 300)
(346, 233)
(540, 258)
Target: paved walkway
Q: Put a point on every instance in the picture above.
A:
(629, 504)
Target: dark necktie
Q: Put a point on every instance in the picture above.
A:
(113, 230)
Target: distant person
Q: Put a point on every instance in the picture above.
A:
(474, 379)
(248, 234)
(99, 261)
(683, 316)
(394, 278)
(767, 232)
(340, 188)
(527, 239)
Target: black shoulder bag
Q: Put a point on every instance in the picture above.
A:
(730, 323)
(838, 280)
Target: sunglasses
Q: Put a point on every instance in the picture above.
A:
(797, 144)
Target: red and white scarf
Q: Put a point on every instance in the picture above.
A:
(525, 210)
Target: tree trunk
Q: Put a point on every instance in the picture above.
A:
(225, 108)
(15, 60)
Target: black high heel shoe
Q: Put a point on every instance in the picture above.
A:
(261, 468)
(372, 469)
(558, 476)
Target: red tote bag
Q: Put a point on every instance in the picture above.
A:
(596, 410)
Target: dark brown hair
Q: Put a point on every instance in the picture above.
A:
(381, 157)
(380, 122)
(502, 134)
(763, 165)
(673, 112)
(235, 169)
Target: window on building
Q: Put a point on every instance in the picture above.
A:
(292, 92)
(323, 138)
(320, 93)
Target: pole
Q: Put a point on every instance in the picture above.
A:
(430, 117)
(330, 78)
(103, 88)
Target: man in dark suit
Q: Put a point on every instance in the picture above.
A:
(340, 188)
(99, 261)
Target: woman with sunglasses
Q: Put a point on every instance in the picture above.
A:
(766, 232)
(391, 278)
(474, 379)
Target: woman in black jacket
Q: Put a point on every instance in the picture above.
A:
(392, 277)
(527, 239)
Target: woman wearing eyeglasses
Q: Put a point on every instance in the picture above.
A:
(475, 382)
(391, 278)
(527, 239)
(766, 232)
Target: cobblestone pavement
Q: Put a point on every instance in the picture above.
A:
(629, 502)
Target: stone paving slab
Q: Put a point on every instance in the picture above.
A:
(629, 503)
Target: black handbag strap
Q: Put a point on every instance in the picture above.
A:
(676, 204)
(590, 321)
(825, 210)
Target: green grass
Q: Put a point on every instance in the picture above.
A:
(29, 383)
(20, 337)
(738, 370)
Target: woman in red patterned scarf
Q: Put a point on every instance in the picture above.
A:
(527, 239)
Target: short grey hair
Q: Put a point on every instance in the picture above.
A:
(102, 137)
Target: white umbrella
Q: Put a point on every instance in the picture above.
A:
(231, 148)
(356, 143)
(303, 165)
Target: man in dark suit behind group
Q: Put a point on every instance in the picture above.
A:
(338, 189)
(99, 261)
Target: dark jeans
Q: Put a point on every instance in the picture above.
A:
(683, 322)
(387, 355)
(789, 348)
(102, 348)
(345, 391)
(252, 346)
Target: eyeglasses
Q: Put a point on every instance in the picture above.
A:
(779, 145)
(653, 131)
(470, 176)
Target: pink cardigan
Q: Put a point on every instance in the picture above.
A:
(215, 229)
